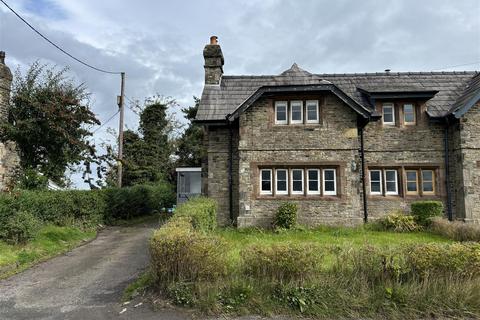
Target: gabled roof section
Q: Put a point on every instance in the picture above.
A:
(219, 101)
(468, 99)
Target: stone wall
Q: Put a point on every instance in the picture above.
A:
(9, 160)
(333, 142)
(403, 147)
(468, 165)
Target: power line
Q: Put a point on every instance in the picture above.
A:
(448, 67)
(103, 124)
(57, 46)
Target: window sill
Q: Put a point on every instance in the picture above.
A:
(298, 197)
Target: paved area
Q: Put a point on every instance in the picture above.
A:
(86, 283)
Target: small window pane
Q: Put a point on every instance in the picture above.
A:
(297, 181)
(428, 187)
(428, 181)
(409, 113)
(329, 182)
(266, 183)
(412, 182)
(375, 187)
(388, 114)
(281, 112)
(313, 181)
(391, 186)
(282, 181)
(296, 112)
(375, 182)
(312, 111)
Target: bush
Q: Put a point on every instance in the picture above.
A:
(283, 261)
(455, 230)
(201, 211)
(440, 260)
(423, 211)
(19, 227)
(181, 254)
(398, 222)
(286, 216)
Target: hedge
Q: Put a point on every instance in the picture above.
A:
(202, 212)
(424, 211)
(83, 207)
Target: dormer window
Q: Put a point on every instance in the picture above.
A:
(281, 112)
(296, 112)
(312, 111)
(388, 114)
(409, 114)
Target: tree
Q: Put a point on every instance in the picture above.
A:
(147, 154)
(190, 145)
(49, 119)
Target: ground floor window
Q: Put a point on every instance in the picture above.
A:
(414, 181)
(297, 181)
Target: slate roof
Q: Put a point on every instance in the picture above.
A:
(220, 100)
(470, 96)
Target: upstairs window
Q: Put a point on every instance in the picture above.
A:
(281, 112)
(297, 181)
(296, 112)
(388, 114)
(266, 181)
(312, 111)
(409, 114)
(281, 181)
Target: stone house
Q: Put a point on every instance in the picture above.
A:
(344, 147)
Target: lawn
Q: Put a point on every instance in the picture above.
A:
(50, 241)
(327, 236)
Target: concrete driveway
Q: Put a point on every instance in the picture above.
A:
(86, 283)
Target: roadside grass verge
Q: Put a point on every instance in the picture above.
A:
(50, 241)
(137, 287)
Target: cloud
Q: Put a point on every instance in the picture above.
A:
(159, 44)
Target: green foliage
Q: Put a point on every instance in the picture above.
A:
(19, 227)
(202, 212)
(398, 222)
(147, 153)
(423, 211)
(181, 254)
(282, 262)
(286, 216)
(190, 148)
(139, 200)
(31, 180)
(49, 119)
(456, 230)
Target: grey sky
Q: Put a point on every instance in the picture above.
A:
(159, 43)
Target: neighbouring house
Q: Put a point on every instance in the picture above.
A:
(344, 147)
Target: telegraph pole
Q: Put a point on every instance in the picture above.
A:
(121, 101)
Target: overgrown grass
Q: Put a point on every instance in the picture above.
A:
(49, 241)
(138, 286)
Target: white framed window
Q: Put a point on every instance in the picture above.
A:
(297, 181)
(281, 181)
(329, 182)
(296, 112)
(388, 114)
(412, 181)
(281, 112)
(375, 182)
(313, 181)
(428, 182)
(312, 111)
(391, 182)
(409, 114)
(266, 181)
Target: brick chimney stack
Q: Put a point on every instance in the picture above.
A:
(5, 84)
(212, 53)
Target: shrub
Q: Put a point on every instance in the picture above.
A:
(19, 227)
(201, 211)
(398, 222)
(423, 211)
(455, 230)
(440, 260)
(181, 254)
(286, 216)
(282, 261)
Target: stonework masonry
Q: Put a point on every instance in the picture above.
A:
(9, 159)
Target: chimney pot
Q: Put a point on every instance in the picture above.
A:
(213, 40)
